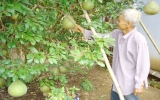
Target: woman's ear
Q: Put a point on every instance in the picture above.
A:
(129, 25)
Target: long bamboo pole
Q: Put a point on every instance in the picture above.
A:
(154, 44)
(105, 59)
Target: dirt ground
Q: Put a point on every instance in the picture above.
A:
(100, 79)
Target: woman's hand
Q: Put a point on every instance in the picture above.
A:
(78, 28)
(138, 91)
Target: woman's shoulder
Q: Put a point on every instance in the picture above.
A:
(139, 38)
(115, 33)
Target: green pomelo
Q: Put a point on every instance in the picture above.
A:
(88, 5)
(63, 70)
(151, 8)
(17, 89)
(14, 17)
(45, 89)
(2, 82)
(68, 22)
(55, 70)
(4, 52)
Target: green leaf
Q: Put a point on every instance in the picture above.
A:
(11, 45)
(27, 26)
(10, 9)
(9, 73)
(30, 56)
(63, 56)
(52, 61)
(40, 28)
(23, 74)
(100, 64)
(29, 77)
(33, 49)
(7, 14)
(25, 9)
(33, 42)
(83, 61)
(18, 8)
(46, 69)
(14, 78)
(51, 50)
(37, 69)
(18, 61)
(20, 28)
(36, 61)
(2, 8)
(29, 60)
(32, 71)
(101, 1)
(38, 39)
(42, 60)
(22, 41)
(18, 35)
(2, 70)
(6, 62)
(34, 28)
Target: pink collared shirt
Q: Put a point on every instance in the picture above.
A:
(131, 61)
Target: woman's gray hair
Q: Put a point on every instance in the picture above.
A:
(131, 15)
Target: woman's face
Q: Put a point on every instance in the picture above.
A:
(121, 23)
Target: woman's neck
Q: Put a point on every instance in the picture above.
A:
(127, 30)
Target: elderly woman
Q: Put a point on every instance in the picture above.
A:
(131, 62)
